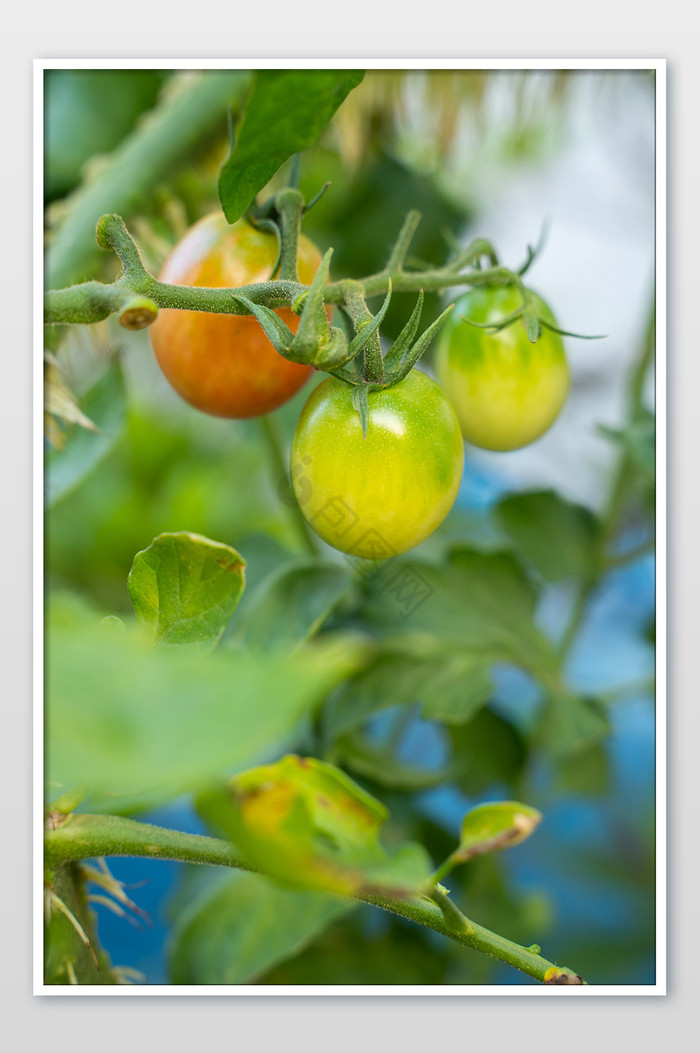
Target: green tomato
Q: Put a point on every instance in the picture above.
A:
(506, 390)
(380, 495)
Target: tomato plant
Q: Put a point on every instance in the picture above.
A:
(224, 364)
(506, 390)
(381, 494)
(197, 629)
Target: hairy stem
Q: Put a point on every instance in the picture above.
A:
(617, 496)
(86, 836)
(161, 145)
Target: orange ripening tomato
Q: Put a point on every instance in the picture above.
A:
(224, 364)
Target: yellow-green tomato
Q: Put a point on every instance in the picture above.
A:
(506, 390)
(380, 495)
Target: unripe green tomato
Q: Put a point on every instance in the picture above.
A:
(380, 495)
(506, 390)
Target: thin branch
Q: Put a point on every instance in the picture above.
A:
(86, 836)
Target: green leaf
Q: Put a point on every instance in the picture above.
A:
(125, 718)
(451, 685)
(185, 120)
(285, 113)
(76, 129)
(571, 725)
(398, 954)
(306, 824)
(105, 405)
(292, 602)
(494, 826)
(482, 602)
(246, 925)
(185, 587)
(379, 764)
(559, 538)
(587, 773)
(488, 750)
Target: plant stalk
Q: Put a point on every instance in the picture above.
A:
(82, 836)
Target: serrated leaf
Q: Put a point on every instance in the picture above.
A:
(494, 826)
(292, 602)
(285, 113)
(244, 926)
(82, 449)
(558, 537)
(482, 602)
(306, 824)
(125, 718)
(185, 587)
(450, 685)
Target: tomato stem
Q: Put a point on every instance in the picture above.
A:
(86, 836)
(278, 465)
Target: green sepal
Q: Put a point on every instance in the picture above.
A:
(421, 345)
(367, 331)
(313, 334)
(496, 327)
(532, 326)
(577, 336)
(398, 349)
(360, 400)
(279, 334)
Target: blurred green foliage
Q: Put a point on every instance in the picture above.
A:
(364, 675)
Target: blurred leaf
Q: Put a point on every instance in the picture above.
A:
(380, 764)
(185, 587)
(494, 826)
(246, 925)
(183, 123)
(76, 129)
(60, 402)
(292, 602)
(351, 953)
(481, 602)
(306, 824)
(488, 750)
(124, 718)
(363, 213)
(285, 114)
(585, 773)
(82, 450)
(451, 685)
(569, 724)
(559, 538)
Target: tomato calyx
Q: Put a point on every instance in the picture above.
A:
(528, 313)
(377, 371)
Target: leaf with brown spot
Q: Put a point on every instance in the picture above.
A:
(185, 587)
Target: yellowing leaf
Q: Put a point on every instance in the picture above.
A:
(306, 824)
